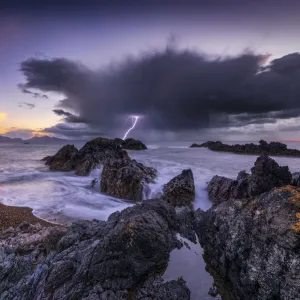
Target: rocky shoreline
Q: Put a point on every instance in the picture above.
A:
(263, 148)
(250, 236)
(251, 241)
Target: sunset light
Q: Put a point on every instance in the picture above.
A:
(3, 116)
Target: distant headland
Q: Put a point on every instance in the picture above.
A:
(272, 148)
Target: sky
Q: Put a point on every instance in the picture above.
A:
(189, 69)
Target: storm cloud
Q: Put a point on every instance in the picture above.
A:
(173, 90)
(73, 131)
(68, 117)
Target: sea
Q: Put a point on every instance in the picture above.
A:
(62, 197)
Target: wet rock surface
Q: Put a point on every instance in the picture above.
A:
(272, 148)
(265, 175)
(90, 156)
(116, 259)
(64, 160)
(133, 144)
(180, 191)
(251, 247)
(126, 179)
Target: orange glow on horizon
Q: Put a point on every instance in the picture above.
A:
(39, 134)
(34, 133)
(3, 116)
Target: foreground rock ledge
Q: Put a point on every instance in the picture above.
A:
(114, 260)
(251, 247)
(272, 148)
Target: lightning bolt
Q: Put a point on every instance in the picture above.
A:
(134, 121)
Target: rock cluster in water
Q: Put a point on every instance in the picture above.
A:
(265, 175)
(90, 156)
(272, 148)
(94, 153)
(251, 241)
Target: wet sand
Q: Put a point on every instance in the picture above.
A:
(12, 216)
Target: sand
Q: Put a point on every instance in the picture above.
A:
(12, 216)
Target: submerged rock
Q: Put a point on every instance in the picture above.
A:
(251, 247)
(272, 148)
(126, 179)
(99, 260)
(180, 191)
(265, 175)
(90, 156)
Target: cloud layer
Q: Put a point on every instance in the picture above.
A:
(174, 90)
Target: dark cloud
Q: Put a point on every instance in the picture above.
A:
(34, 94)
(68, 117)
(26, 105)
(74, 131)
(173, 90)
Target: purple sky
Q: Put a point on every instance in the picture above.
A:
(100, 35)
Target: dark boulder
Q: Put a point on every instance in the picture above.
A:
(126, 179)
(296, 179)
(251, 247)
(157, 289)
(132, 144)
(97, 152)
(220, 188)
(180, 191)
(118, 141)
(112, 260)
(64, 160)
(265, 175)
(91, 155)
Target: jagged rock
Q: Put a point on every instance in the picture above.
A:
(296, 179)
(96, 152)
(63, 160)
(251, 247)
(265, 175)
(220, 188)
(157, 289)
(132, 144)
(118, 141)
(90, 156)
(99, 260)
(185, 216)
(180, 191)
(272, 148)
(126, 179)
